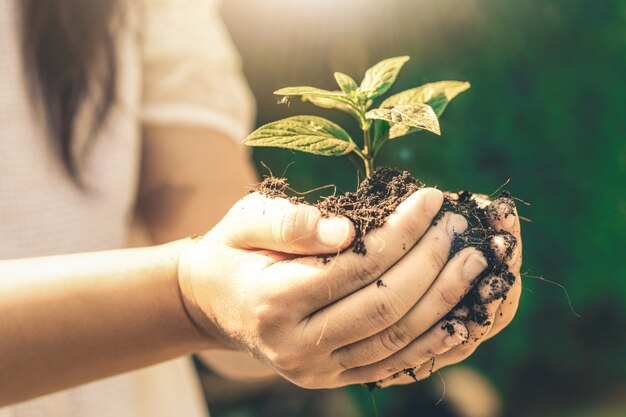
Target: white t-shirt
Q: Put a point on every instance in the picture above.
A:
(176, 65)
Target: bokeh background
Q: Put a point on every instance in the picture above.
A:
(547, 109)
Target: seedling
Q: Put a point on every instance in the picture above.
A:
(401, 114)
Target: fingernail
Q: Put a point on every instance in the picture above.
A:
(457, 333)
(504, 246)
(506, 213)
(334, 231)
(433, 201)
(508, 220)
(492, 288)
(456, 225)
(460, 313)
(453, 340)
(473, 266)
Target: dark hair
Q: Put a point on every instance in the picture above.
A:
(69, 50)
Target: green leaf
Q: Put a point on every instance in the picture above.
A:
(379, 78)
(381, 134)
(437, 95)
(328, 103)
(323, 98)
(346, 83)
(419, 116)
(315, 92)
(310, 134)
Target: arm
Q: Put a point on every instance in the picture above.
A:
(88, 316)
(72, 319)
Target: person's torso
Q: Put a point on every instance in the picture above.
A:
(44, 212)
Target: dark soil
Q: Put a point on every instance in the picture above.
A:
(374, 200)
(379, 196)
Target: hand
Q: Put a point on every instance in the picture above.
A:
(246, 287)
(500, 311)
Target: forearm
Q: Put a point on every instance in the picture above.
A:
(236, 365)
(67, 320)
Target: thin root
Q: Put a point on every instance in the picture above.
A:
(561, 286)
(313, 190)
(443, 386)
(500, 187)
(319, 339)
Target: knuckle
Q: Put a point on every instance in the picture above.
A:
(398, 363)
(447, 297)
(395, 338)
(284, 226)
(421, 355)
(412, 229)
(383, 313)
(288, 362)
(378, 373)
(301, 222)
(437, 258)
(342, 366)
(267, 317)
(366, 269)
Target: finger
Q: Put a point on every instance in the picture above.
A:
(423, 371)
(402, 378)
(384, 302)
(477, 335)
(417, 373)
(504, 309)
(443, 295)
(483, 317)
(507, 309)
(325, 281)
(479, 308)
(420, 372)
(438, 340)
(259, 222)
(504, 217)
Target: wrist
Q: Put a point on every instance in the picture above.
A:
(183, 329)
(189, 260)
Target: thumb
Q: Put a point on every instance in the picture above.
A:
(259, 222)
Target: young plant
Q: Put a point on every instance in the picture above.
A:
(409, 111)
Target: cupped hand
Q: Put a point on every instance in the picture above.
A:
(254, 283)
(500, 311)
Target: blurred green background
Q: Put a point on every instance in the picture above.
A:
(546, 109)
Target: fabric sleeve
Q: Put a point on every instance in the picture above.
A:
(191, 71)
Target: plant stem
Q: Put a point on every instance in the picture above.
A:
(369, 166)
(368, 152)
